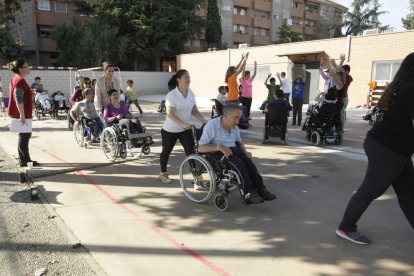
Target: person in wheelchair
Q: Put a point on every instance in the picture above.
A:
(221, 136)
(42, 101)
(86, 109)
(60, 101)
(116, 112)
(276, 114)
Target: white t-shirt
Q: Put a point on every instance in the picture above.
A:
(286, 86)
(183, 107)
(122, 97)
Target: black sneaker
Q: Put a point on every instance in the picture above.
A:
(266, 195)
(355, 237)
(253, 198)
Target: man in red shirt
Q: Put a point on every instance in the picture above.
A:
(346, 69)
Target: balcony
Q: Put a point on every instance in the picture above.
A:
(296, 13)
(243, 3)
(241, 38)
(261, 23)
(52, 18)
(46, 45)
(261, 40)
(241, 20)
(262, 5)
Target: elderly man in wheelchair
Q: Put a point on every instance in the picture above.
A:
(87, 122)
(221, 138)
(123, 132)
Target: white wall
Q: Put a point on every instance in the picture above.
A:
(64, 80)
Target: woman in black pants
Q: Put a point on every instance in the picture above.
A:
(180, 105)
(389, 146)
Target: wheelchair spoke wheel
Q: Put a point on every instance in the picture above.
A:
(221, 203)
(197, 178)
(146, 150)
(109, 144)
(78, 134)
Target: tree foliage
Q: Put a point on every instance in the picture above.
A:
(286, 35)
(9, 49)
(364, 16)
(151, 29)
(408, 21)
(213, 25)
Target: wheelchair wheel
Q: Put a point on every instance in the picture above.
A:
(197, 178)
(220, 202)
(265, 138)
(315, 138)
(78, 134)
(146, 150)
(38, 113)
(123, 153)
(109, 143)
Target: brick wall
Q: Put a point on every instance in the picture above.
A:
(64, 80)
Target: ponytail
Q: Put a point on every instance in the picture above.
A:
(172, 83)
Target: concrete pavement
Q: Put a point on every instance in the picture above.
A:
(134, 225)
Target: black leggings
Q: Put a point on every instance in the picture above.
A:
(168, 142)
(297, 110)
(385, 168)
(247, 102)
(23, 147)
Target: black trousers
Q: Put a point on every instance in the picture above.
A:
(385, 168)
(247, 102)
(23, 147)
(169, 139)
(246, 169)
(297, 110)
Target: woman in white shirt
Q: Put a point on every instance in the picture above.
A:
(180, 105)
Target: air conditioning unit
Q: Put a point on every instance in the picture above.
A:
(289, 22)
(370, 32)
(244, 45)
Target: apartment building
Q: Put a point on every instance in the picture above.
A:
(257, 22)
(34, 25)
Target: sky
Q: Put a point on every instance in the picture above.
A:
(396, 9)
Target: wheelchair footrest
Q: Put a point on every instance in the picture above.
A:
(138, 135)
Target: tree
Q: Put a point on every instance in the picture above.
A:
(286, 35)
(363, 16)
(9, 49)
(408, 21)
(213, 25)
(155, 29)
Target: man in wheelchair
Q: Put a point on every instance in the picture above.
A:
(221, 136)
(86, 109)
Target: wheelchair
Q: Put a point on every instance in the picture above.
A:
(323, 123)
(41, 112)
(203, 176)
(117, 141)
(56, 105)
(276, 120)
(83, 133)
(371, 115)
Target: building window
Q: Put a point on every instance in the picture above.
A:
(45, 31)
(61, 7)
(43, 5)
(187, 44)
(295, 5)
(227, 7)
(239, 11)
(385, 70)
(239, 29)
(260, 31)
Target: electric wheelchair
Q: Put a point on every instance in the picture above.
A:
(203, 176)
(117, 141)
(276, 120)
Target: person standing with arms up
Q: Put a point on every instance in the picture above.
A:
(21, 107)
(286, 86)
(180, 105)
(247, 90)
(231, 79)
(297, 96)
(389, 146)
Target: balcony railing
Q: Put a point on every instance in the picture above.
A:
(262, 5)
(261, 40)
(241, 38)
(243, 3)
(261, 23)
(241, 20)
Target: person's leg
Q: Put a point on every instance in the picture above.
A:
(187, 140)
(384, 167)
(343, 113)
(138, 106)
(23, 148)
(299, 110)
(295, 110)
(100, 125)
(168, 142)
(404, 189)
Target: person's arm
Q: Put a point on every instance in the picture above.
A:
(196, 113)
(125, 111)
(268, 77)
(321, 72)
(255, 70)
(108, 115)
(18, 95)
(242, 65)
(304, 73)
(243, 148)
(333, 70)
(342, 60)
(278, 77)
(98, 97)
(74, 112)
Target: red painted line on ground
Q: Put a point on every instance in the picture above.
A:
(141, 219)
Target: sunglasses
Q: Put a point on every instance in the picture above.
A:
(87, 82)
